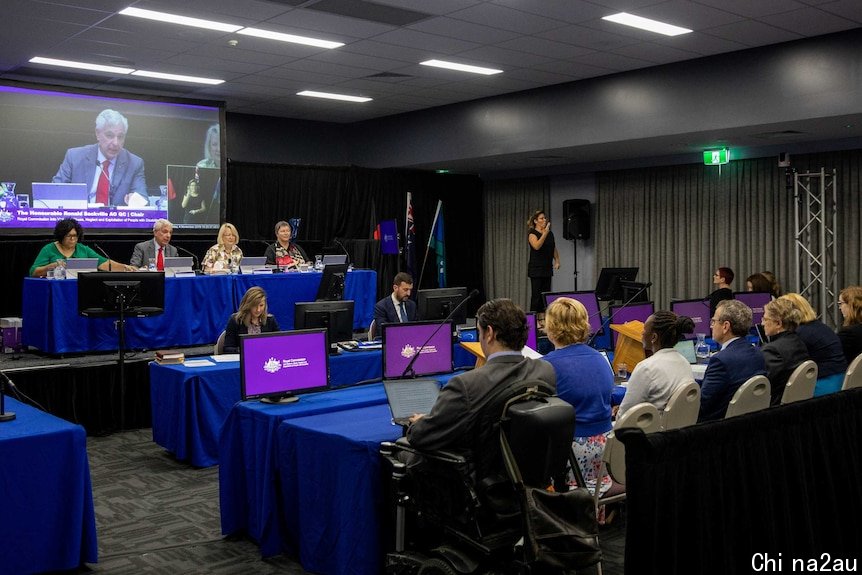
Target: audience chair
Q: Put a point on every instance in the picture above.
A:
(218, 349)
(853, 377)
(682, 408)
(801, 383)
(644, 416)
(753, 395)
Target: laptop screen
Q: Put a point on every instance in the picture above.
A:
(401, 341)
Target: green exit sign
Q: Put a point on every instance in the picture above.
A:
(716, 157)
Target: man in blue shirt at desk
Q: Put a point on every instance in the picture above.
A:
(737, 361)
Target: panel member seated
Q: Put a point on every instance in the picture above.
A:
(250, 318)
(737, 361)
(68, 234)
(114, 176)
(157, 248)
(397, 307)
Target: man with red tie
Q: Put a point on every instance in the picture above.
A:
(114, 176)
(157, 248)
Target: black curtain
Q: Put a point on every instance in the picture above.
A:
(707, 498)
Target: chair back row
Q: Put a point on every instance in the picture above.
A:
(853, 377)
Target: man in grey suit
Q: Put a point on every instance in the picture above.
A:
(162, 231)
(114, 176)
(464, 414)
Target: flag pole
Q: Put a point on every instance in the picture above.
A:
(430, 239)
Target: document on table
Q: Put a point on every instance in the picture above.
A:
(225, 357)
(198, 363)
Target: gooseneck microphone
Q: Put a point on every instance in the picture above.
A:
(408, 371)
(104, 253)
(622, 307)
(5, 415)
(339, 244)
(196, 264)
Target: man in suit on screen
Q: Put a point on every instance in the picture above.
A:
(737, 361)
(157, 248)
(114, 176)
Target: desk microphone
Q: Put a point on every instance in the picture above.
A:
(104, 253)
(339, 244)
(274, 246)
(5, 415)
(409, 368)
(619, 309)
(195, 261)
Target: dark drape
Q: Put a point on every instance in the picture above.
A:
(707, 498)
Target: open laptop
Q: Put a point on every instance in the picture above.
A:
(253, 264)
(74, 266)
(181, 265)
(60, 196)
(334, 259)
(409, 396)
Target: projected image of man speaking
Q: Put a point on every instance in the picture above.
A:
(114, 176)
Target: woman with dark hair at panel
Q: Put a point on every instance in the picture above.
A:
(823, 346)
(656, 378)
(544, 258)
(68, 234)
(226, 254)
(785, 350)
(251, 318)
(284, 253)
(775, 287)
(850, 304)
(584, 380)
(758, 283)
(722, 278)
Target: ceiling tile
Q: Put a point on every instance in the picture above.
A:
(655, 53)
(810, 22)
(454, 28)
(544, 47)
(506, 19)
(423, 41)
(751, 9)
(752, 33)
(571, 11)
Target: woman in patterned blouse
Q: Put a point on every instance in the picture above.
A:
(285, 253)
(218, 258)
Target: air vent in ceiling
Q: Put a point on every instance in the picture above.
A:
(389, 76)
(370, 11)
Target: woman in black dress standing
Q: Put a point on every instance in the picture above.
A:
(544, 258)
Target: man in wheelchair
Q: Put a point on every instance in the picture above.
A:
(470, 499)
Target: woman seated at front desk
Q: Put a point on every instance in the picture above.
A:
(225, 255)
(250, 318)
(68, 234)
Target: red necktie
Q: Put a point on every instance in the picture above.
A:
(103, 185)
(160, 261)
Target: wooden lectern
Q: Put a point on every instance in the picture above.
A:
(475, 348)
(630, 349)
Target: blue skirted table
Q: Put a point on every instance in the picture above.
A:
(47, 520)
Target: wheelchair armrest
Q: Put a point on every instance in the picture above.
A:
(389, 449)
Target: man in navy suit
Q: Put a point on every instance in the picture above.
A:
(114, 176)
(397, 307)
(737, 361)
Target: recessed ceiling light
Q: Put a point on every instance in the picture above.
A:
(176, 19)
(329, 96)
(178, 77)
(258, 33)
(461, 67)
(646, 24)
(81, 65)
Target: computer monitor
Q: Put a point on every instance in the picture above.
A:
(438, 304)
(99, 293)
(335, 316)
(620, 314)
(401, 341)
(697, 310)
(634, 292)
(590, 301)
(756, 300)
(532, 332)
(279, 366)
(332, 283)
(608, 286)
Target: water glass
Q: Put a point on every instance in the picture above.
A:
(622, 370)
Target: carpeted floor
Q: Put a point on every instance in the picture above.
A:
(157, 515)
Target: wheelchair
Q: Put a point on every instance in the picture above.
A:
(452, 515)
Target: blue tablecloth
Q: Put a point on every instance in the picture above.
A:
(47, 521)
(332, 494)
(196, 310)
(190, 404)
(248, 456)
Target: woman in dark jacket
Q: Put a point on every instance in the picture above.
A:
(250, 318)
(850, 304)
(544, 258)
(823, 346)
(785, 350)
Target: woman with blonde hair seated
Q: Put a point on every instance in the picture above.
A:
(823, 346)
(584, 379)
(225, 254)
(850, 304)
(251, 318)
(785, 350)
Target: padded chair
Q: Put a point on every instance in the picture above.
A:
(753, 395)
(853, 377)
(218, 348)
(644, 416)
(462, 522)
(371, 330)
(800, 384)
(682, 407)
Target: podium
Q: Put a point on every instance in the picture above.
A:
(629, 349)
(475, 348)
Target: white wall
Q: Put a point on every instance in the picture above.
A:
(571, 187)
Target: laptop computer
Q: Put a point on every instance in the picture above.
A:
(60, 196)
(686, 348)
(250, 264)
(334, 259)
(410, 396)
(74, 266)
(181, 265)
